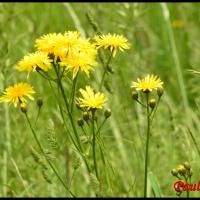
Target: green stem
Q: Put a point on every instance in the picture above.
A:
(42, 151)
(38, 113)
(59, 82)
(175, 56)
(45, 75)
(98, 131)
(141, 103)
(155, 109)
(94, 143)
(105, 70)
(68, 133)
(188, 191)
(147, 147)
(73, 92)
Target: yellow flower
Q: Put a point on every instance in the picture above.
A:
(33, 61)
(91, 100)
(47, 43)
(112, 42)
(83, 59)
(147, 84)
(58, 44)
(17, 93)
(68, 43)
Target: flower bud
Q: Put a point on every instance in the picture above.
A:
(134, 95)
(107, 113)
(23, 107)
(86, 116)
(181, 169)
(174, 172)
(39, 102)
(80, 122)
(160, 91)
(152, 103)
(187, 166)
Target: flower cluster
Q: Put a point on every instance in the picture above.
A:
(70, 52)
(182, 172)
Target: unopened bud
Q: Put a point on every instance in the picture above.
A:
(134, 95)
(39, 102)
(86, 116)
(107, 113)
(160, 91)
(80, 122)
(174, 172)
(23, 107)
(152, 103)
(187, 166)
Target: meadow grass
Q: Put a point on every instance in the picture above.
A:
(157, 47)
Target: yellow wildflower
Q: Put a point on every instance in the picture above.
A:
(17, 93)
(60, 45)
(112, 42)
(83, 60)
(147, 84)
(91, 100)
(33, 61)
(47, 43)
(68, 43)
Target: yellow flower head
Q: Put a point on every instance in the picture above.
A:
(91, 100)
(47, 43)
(147, 84)
(112, 42)
(58, 44)
(67, 43)
(17, 93)
(33, 61)
(80, 61)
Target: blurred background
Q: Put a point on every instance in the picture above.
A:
(167, 47)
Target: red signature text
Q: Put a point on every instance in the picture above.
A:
(182, 186)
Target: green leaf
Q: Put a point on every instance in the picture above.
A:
(154, 184)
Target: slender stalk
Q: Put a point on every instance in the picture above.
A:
(94, 143)
(68, 133)
(47, 159)
(45, 75)
(73, 92)
(147, 147)
(194, 141)
(21, 178)
(188, 191)
(183, 90)
(155, 109)
(105, 70)
(98, 131)
(141, 103)
(59, 83)
(38, 114)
